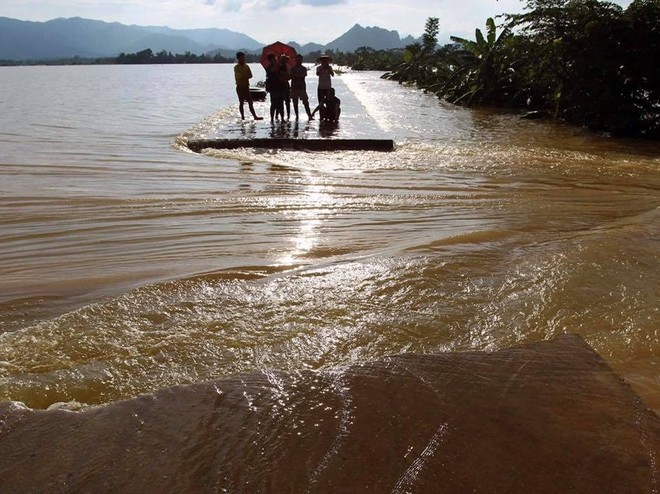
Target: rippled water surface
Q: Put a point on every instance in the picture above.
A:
(128, 263)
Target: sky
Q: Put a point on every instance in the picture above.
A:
(303, 21)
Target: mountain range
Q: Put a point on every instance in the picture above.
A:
(87, 38)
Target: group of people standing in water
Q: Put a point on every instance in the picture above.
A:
(285, 82)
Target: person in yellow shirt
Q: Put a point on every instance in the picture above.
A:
(243, 74)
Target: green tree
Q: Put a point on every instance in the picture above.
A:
(419, 59)
(641, 67)
(430, 36)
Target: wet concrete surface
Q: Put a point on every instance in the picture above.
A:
(546, 417)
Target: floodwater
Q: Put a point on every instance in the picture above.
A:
(129, 264)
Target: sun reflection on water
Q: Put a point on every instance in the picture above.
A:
(310, 209)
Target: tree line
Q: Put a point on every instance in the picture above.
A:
(165, 57)
(363, 59)
(146, 56)
(589, 62)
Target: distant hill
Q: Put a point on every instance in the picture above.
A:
(306, 48)
(86, 38)
(373, 37)
(65, 38)
(213, 38)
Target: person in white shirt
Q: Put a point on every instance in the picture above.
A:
(325, 73)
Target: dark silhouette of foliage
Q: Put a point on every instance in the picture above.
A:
(479, 72)
(369, 59)
(586, 61)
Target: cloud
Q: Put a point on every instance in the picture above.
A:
(249, 5)
(261, 5)
(275, 4)
(321, 3)
(230, 5)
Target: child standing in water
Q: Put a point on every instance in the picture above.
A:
(298, 86)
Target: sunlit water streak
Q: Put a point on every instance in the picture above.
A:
(129, 264)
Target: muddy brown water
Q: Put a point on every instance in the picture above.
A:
(129, 264)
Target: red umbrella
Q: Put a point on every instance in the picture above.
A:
(278, 48)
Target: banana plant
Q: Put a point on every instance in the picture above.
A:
(477, 70)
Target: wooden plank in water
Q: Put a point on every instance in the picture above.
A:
(297, 144)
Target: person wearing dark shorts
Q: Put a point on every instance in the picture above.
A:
(298, 86)
(243, 74)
